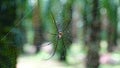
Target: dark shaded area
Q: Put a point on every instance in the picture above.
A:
(8, 51)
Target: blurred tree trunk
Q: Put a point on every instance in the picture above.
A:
(37, 24)
(19, 30)
(8, 51)
(112, 38)
(87, 21)
(86, 26)
(112, 27)
(67, 29)
(92, 59)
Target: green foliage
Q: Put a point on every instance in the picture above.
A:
(111, 10)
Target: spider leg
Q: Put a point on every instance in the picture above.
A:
(49, 42)
(52, 33)
(46, 44)
(54, 22)
(54, 50)
(66, 26)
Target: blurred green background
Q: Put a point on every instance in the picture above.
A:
(59, 33)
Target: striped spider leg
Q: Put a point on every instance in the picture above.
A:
(59, 36)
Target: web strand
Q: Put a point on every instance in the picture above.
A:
(19, 22)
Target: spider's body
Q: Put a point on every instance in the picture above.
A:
(60, 34)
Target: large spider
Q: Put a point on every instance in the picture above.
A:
(60, 35)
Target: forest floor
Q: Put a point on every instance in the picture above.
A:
(76, 59)
(29, 62)
(35, 62)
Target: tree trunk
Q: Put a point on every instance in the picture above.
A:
(92, 60)
(67, 29)
(112, 28)
(37, 24)
(112, 38)
(19, 29)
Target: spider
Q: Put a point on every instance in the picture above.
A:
(59, 36)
